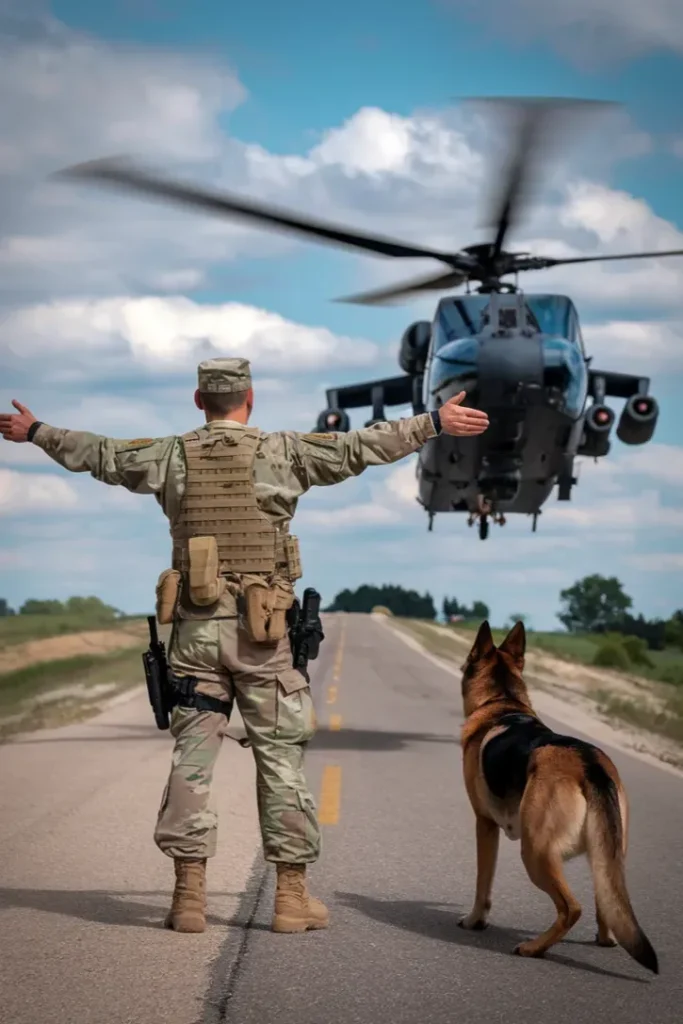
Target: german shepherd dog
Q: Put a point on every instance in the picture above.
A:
(561, 796)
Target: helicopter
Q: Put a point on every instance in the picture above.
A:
(518, 356)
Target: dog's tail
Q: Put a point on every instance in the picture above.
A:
(605, 847)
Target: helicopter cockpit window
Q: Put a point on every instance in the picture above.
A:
(458, 318)
(552, 313)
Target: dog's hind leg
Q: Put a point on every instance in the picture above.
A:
(544, 868)
(488, 837)
(604, 936)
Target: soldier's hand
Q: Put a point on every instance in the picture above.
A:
(15, 426)
(460, 421)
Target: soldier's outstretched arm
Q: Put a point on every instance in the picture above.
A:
(323, 459)
(139, 466)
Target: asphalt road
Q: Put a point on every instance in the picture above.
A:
(83, 889)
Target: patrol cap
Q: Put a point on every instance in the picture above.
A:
(224, 375)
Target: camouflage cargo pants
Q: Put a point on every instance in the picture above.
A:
(275, 703)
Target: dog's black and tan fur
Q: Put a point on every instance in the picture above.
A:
(561, 796)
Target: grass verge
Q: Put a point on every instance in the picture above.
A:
(56, 692)
(19, 629)
(666, 667)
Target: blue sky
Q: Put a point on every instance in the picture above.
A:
(350, 112)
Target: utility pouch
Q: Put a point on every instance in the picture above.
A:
(293, 557)
(205, 585)
(167, 590)
(266, 611)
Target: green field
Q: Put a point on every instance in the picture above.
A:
(19, 629)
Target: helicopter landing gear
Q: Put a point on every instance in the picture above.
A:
(566, 481)
(430, 527)
(534, 521)
(482, 516)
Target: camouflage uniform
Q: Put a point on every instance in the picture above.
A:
(211, 643)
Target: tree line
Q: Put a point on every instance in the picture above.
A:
(595, 604)
(88, 607)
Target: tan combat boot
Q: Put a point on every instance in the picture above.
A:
(188, 909)
(295, 910)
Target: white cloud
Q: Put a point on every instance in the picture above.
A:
(658, 562)
(34, 492)
(66, 93)
(24, 493)
(661, 462)
(636, 345)
(171, 334)
(349, 517)
(588, 30)
(624, 512)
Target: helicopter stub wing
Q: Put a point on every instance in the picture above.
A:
(607, 383)
(386, 391)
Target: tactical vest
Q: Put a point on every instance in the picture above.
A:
(220, 501)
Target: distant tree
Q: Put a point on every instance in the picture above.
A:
(406, 603)
(36, 607)
(87, 607)
(517, 617)
(673, 629)
(652, 631)
(451, 606)
(5, 609)
(593, 604)
(479, 610)
(90, 607)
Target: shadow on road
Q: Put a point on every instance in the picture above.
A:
(374, 739)
(434, 921)
(102, 907)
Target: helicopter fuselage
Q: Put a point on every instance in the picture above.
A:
(521, 358)
(532, 383)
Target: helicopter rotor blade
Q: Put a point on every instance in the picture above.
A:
(546, 263)
(380, 296)
(124, 175)
(535, 125)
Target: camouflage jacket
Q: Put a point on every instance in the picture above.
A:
(287, 464)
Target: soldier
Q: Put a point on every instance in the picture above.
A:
(229, 491)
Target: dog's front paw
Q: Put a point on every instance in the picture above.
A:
(607, 941)
(473, 923)
(527, 949)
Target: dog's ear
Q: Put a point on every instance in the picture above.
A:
(514, 643)
(483, 643)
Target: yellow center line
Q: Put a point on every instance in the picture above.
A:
(330, 791)
(340, 656)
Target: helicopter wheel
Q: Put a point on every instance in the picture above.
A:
(483, 528)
